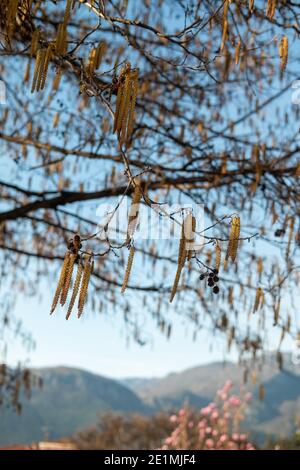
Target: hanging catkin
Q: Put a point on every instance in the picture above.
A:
(180, 262)
(123, 116)
(61, 40)
(237, 52)
(95, 58)
(67, 11)
(12, 8)
(125, 104)
(128, 269)
(133, 96)
(261, 392)
(134, 211)
(67, 279)
(276, 309)
(218, 256)
(60, 281)
(233, 238)
(283, 53)
(39, 64)
(34, 42)
(225, 24)
(45, 67)
(75, 289)
(190, 228)
(258, 298)
(84, 285)
(271, 7)
(119, 98)
(291, 232)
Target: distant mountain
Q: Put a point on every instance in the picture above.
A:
(274, 416)
(72, 399)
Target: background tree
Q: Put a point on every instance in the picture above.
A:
(168, 102)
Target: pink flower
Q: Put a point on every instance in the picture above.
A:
(209, 443)
(173, 418)
(243, 437)
(223, 438)
(222, 395)
(206, 410)
(215, 432)
(231, 445)
(235, 436)
(181, 412)
(191, 424)
(202, 423)
(222, 422)
(234, 400)
(228, 385)
(250, 446)
(248, 397)
(208, 430)
(215, 415)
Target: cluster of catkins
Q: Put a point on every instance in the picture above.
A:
(84, 270)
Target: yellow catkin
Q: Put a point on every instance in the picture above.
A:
(60, 281)
(38, 62)
(56, 120)
(67, 279)
(95, 58)
(123, 103)
(218, 256)
(225, 24)
(67, 11)
(237, 52)
(128, 269)
(61, 40)
(277, 312)
(45, 67)
(283, 52)
(84, 286)
(190, 228)
(261, 392)
(12, 8)
(99, 52)
(233, 239)
(75, 289)
(180, 262)
(118, 105)
(258, 297)
(34, 42)
(123, 117)
(91, 62)
(133, 97)
(27, 73)
(56, 80)
(41, 70)
(134, 212)
(251, 6)
(291, 232)
(271, 8)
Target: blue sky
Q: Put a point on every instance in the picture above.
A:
(97, 343)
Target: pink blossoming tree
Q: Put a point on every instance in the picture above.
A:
(216, 427)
